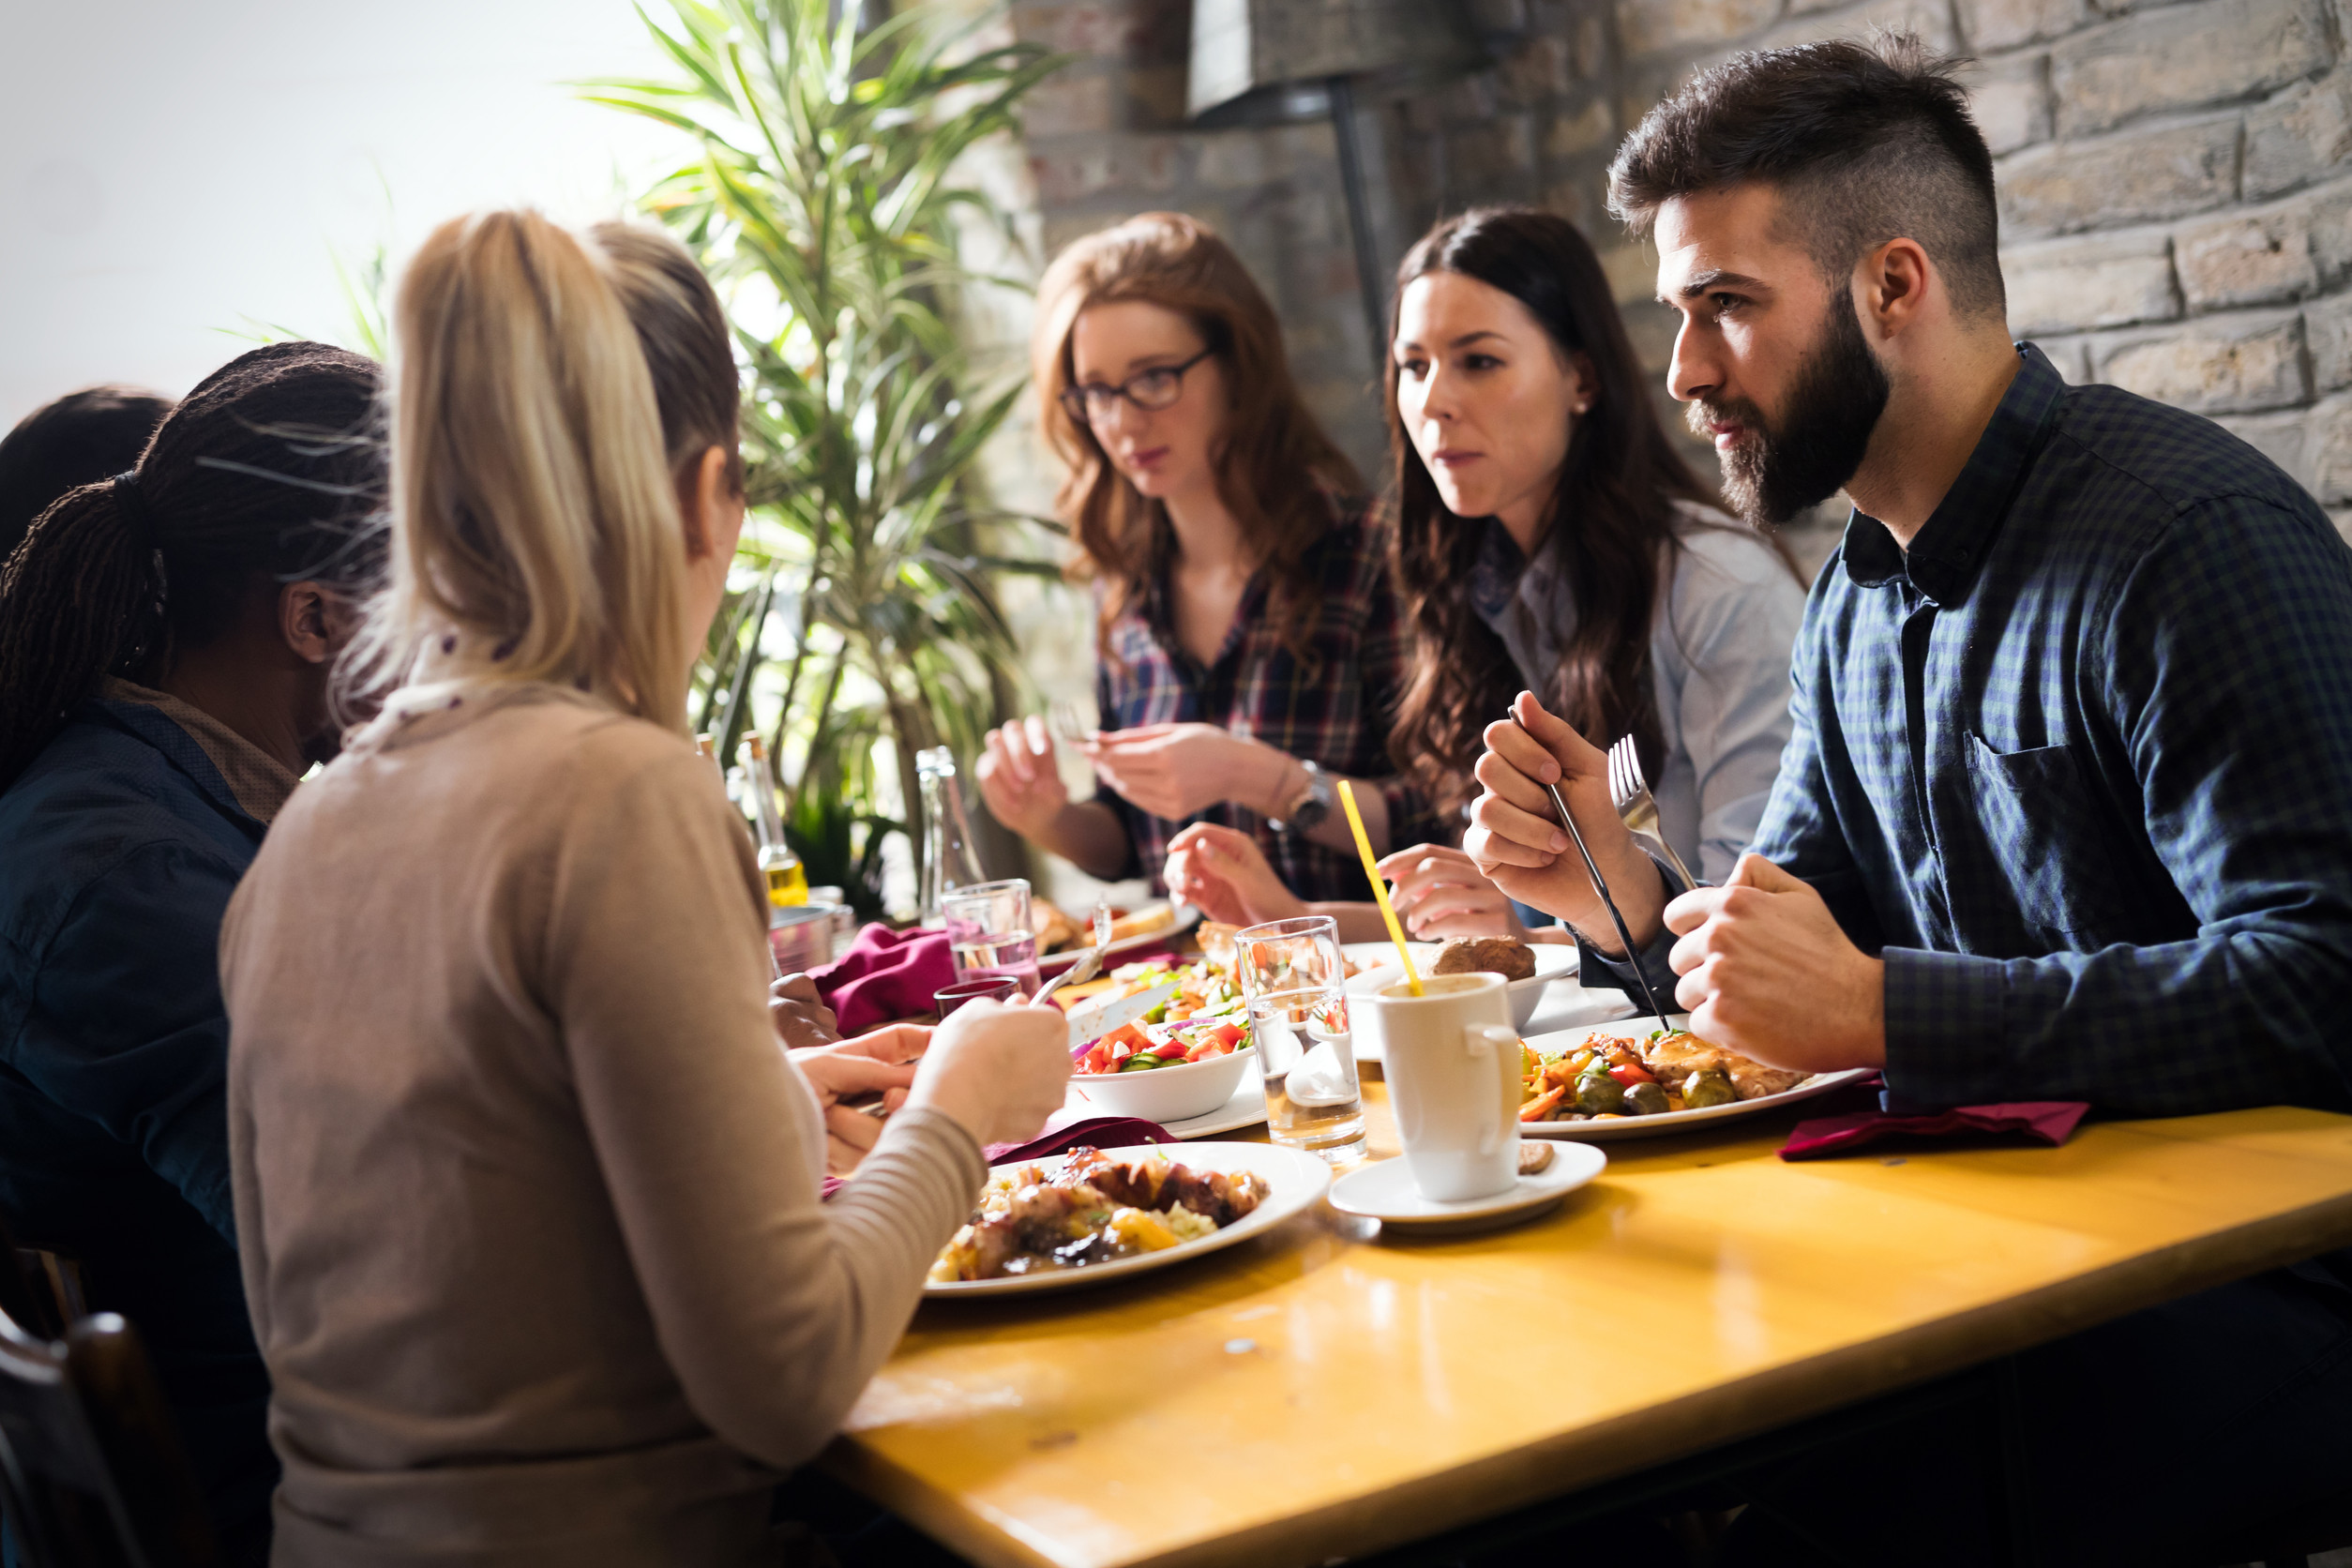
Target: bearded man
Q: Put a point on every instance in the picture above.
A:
(2067, 812)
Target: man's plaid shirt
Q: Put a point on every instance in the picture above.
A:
(2079, 765)
(1334, 710)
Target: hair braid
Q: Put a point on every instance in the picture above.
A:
(270, 471)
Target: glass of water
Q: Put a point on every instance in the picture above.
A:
(989, 931)
(1295, 980)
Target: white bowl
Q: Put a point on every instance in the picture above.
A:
(1553, 961)
(1165, 1095)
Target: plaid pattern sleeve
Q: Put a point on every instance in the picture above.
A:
(1333, 707)
(2080, 762)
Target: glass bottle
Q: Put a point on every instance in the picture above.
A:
(788, 882)
(947, 857)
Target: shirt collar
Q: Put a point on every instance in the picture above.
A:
(1947, 550)
(258, 782)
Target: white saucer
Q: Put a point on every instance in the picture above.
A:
(1384, 1191)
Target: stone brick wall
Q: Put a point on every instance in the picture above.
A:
(2176, 180)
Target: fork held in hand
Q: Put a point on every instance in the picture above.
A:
(1090, 964)
(1593, 869)
(1630, 794)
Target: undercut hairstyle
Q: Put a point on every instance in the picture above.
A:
(271, 471)
(1277, 471)
(1866, 143)
(80, 438)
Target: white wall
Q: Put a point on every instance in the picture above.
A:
(168, 170)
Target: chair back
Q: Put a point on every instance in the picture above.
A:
(92, 1474)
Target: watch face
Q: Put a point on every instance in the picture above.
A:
(1309, 813)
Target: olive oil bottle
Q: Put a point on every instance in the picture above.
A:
(788, 882)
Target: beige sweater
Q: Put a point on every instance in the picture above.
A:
(527, 1192)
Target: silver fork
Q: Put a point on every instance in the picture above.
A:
(1634, 808)
(1089, 966)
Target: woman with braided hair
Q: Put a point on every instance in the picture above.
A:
(165, 643)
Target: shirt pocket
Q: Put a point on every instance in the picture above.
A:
(2047, 838)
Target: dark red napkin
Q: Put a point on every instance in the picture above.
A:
(886, 974)
(1096, 1132)
(2045, 1121)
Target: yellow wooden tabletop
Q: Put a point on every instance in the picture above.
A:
(1322, 1391)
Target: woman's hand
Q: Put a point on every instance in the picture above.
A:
(998, 1070)
(884, 1060)
(1439, 893)
(800, 1015)
(1019, 780)
(1226, 874)
(1175, 771)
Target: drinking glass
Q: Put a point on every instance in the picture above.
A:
(1294, 979)
(996, 988)
(989, 931)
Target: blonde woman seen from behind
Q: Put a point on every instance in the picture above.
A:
(527, 1191)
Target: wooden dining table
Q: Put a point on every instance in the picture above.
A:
(1327, 1391)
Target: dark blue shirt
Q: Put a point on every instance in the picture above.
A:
(122, 843)
(2078, 766)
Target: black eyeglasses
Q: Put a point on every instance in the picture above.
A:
(1155, 388)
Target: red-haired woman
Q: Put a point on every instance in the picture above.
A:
(1249, 646)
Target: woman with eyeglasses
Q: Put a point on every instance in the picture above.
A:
(1250, 650)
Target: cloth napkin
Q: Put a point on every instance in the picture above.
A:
(1095, 1132)
(886, 974)
(2043, 1122)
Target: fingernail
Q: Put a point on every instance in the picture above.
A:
(1551, 773)
(1560, 841)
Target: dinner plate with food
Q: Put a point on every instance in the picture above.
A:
(1608, 1081)
(1061, 939)
(1528, 970)
(1094, 1215)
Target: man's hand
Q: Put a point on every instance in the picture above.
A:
(1439, 893)
(1516, 840)
(1226, 874)
(800, 1015)
(1019, 780)
(882, 1060)
(1174, 771)
(1767, 971)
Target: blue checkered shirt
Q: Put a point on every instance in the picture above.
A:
(2079, 767)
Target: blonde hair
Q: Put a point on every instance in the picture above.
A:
(550, 388)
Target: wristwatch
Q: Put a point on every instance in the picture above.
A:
(1309, 810)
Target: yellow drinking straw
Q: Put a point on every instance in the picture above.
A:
(1380, 888)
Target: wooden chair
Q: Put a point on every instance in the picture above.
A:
(92, 1474)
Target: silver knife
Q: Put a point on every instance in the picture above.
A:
(1088, 1025)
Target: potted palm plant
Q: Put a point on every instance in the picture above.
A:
(821, 193)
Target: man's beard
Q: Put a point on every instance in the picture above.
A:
(1834, 405)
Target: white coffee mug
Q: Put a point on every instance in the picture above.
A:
(1452, 1062)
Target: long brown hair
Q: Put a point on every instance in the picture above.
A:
(1276, 466)
(1610, 526)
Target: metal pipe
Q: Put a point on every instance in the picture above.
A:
(1368, 290)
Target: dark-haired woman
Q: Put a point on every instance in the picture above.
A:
(1550, 538)
(165, 640)
(1249, 646)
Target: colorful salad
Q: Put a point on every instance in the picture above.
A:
(1205, 1018)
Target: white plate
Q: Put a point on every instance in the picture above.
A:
(1553, 961)
(1384, 1191)
(1670, 1121)
(1294, 1178)
(1186, 918)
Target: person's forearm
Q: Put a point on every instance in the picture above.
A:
(1332, 832)
(1283, 779)
(1088, 834)
(1640, 891)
